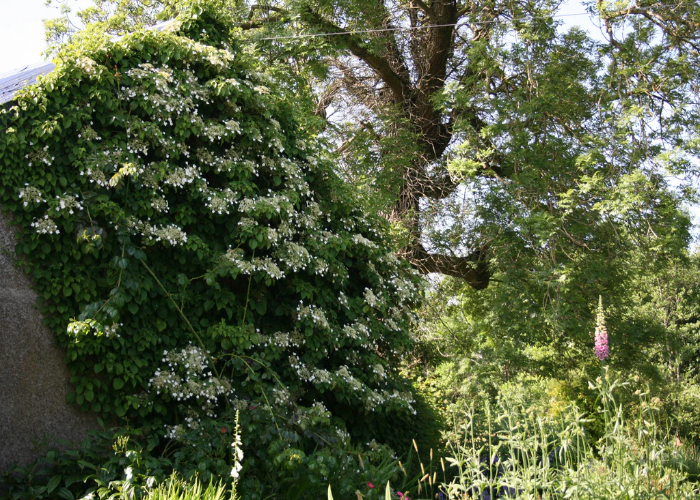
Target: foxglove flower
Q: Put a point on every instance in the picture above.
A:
(601, 333)
(237, 446)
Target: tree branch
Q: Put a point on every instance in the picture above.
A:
(425, 8)
(327, 97)
(399, 87)
(255, 7)
(682, 29)
(649, 14)
(259, 23)
(472, 268)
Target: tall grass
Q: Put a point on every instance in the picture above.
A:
(175, 489)
(517, 451)
(513, 452)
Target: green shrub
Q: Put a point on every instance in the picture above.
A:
(195, 255)
(684, 406)
(120, 460)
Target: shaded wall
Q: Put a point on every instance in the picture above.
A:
(34, 379)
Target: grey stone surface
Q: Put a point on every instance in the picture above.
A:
(34, 379)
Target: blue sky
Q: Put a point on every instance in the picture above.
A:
(22, 31)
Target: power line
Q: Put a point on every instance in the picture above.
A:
(429, 26)
(409, 28)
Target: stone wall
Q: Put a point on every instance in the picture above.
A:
(34, 379)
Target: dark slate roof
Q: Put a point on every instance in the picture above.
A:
(14, 80)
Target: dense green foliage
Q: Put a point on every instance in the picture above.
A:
(195, 255)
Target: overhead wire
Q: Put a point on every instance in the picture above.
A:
(429, 26)
(411, 28)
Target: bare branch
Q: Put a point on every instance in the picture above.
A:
(326, 99)
(399, 87)
(425, 8)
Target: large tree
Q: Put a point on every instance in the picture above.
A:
(460, 117)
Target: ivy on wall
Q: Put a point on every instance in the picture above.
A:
(186, 242)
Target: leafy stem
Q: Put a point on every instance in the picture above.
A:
(182, 315)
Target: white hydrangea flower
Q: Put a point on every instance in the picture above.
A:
(45, 225)
(69, 203)
(30, 194)
(160, 204)
(170, 233)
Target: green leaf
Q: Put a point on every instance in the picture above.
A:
(87, 465)
(118, 383)
(53, 483)
(66, 494)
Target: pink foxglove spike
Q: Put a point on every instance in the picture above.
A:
(601, 333)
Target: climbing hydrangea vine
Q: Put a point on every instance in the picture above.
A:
(189, 247)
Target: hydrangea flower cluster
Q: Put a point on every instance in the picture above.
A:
(170, 233)
(219, 202)
(45, 225)
(69, 203)
(30, 194)
(160, 204)
(186, 376)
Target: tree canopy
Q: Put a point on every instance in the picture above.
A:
(464, 122)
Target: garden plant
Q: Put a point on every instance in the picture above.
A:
(357, 250)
